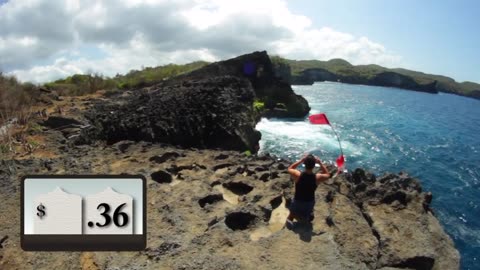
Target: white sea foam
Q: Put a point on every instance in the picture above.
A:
(303, 135)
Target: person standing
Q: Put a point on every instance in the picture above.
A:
(306, 183)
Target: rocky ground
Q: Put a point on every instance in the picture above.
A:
(216, 208)
(213, 209)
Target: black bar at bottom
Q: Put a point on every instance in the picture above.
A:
(91, 242)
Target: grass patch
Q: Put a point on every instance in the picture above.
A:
(34, 127)
(79, 84)
(149, 75)
(258, 105)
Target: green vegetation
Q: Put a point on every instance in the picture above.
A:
(343, 68)
(258, 105)
(148, 76)
(16, 99)
(34, 127)
(80, 84)
(4, 148)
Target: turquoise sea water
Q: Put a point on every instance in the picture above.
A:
(435, 138)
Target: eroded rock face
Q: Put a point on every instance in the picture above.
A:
(212, 107)
(213, 112)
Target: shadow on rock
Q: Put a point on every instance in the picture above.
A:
(305, 231)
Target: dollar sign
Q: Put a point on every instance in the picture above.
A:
(41, 210)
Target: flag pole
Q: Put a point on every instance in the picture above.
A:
(338, 138)
(322, 119)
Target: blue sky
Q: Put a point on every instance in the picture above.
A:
(43, 40)
(441, 37)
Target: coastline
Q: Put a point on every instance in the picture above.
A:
(215, 195)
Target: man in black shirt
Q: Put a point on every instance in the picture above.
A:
(306, 183)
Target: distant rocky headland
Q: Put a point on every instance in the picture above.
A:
(306, 72)
(212, 202)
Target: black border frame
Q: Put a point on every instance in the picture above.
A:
(99, 242)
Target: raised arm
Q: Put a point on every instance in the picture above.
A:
(324, 175)
(292, 169)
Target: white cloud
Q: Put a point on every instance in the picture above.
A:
(134, 33)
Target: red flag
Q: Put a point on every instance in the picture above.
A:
(319, 119)
(340, 162)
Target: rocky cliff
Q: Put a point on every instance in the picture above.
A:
(388, 79)
(212, 107)
(213, 112)
(307, 72)
(275, 92)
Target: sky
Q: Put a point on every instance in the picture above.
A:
(44, 40)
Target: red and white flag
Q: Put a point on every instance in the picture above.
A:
(321, 119)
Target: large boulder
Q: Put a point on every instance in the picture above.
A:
(212, 112)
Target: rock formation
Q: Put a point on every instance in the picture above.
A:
(210, 112)
(269, 88)
(209, 107)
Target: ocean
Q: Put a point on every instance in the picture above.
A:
(433, 137)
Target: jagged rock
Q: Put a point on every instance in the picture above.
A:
(408, 235)
(258, 69)
(213, 112)
(210, 107)
(411, 238)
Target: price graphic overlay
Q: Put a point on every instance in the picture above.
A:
(77, 213)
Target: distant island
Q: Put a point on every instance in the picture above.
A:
(306, 72)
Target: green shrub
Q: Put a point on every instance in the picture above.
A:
(16, 99)
(258, 105)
